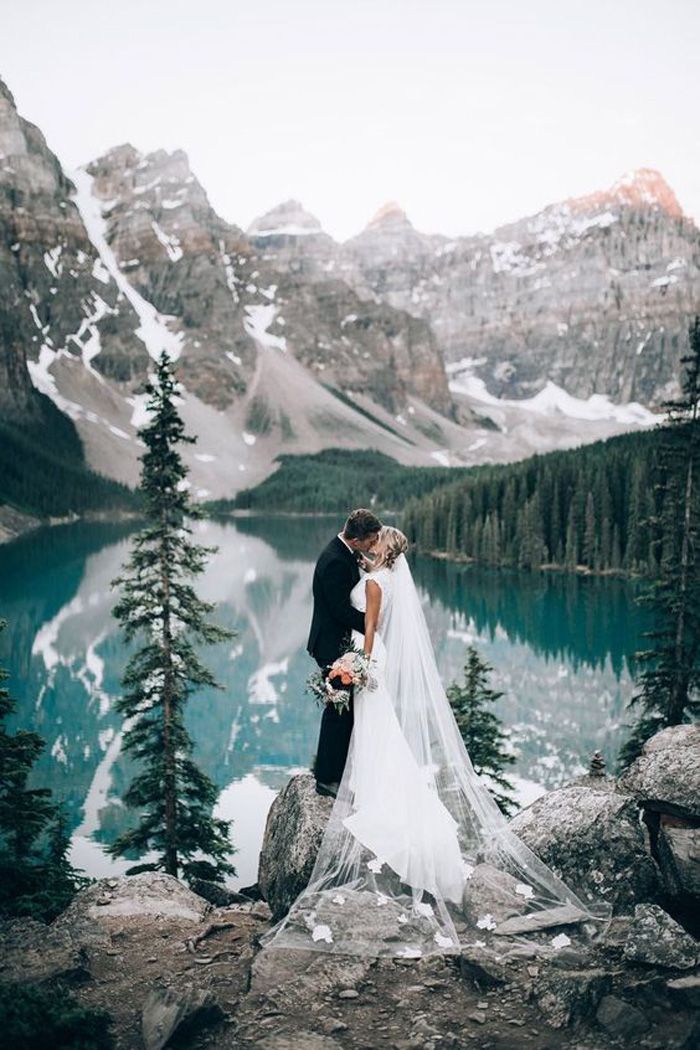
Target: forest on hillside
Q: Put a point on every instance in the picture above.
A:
(336, 480)
(43, 472)
(597, 507)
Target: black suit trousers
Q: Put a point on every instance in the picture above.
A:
(333, 743)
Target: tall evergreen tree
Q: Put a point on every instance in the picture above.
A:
(669, 682)
(480, 727)
(36, 877)
(159, 603)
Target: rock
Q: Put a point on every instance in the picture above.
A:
(349, 993)
(620, 1019)
(218, 895)
(655, 939)
(293, 833)
(165, 1010)
(666, 775)
(678, 850)
(299, 1040)
(593, 830)
(565, 996)
(562, 915)
(687, 988)
(149, 893)
(491, 891)
(305, 975)
(482, 966)
(477, 1015)
(31, 951)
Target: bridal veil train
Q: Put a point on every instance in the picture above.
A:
(417, 858)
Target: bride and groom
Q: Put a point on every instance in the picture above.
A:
(416, 857)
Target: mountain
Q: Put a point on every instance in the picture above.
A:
(286, 341)
(593, 294)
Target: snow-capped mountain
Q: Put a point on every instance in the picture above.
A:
(289, 342)
(594, 294)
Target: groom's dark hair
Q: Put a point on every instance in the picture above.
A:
(361, 524)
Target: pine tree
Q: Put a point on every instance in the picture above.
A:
(669, 684)
(36, 878)
(481, 728)
(159, 603)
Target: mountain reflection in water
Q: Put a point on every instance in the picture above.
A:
(560, 646)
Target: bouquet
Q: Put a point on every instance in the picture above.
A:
(333, 687)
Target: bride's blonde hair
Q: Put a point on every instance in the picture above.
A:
(392, 543)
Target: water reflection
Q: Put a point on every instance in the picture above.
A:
(560, 648)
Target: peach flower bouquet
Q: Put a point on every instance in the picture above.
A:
(351, 670)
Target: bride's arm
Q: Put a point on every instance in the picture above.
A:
(373, 593)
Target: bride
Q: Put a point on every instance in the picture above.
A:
(416, 857)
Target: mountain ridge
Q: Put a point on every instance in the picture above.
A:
(284, 340)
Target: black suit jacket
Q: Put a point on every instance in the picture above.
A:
(335, 575)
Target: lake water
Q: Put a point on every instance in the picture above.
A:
(561, 648)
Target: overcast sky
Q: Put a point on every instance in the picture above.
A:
(469, 113)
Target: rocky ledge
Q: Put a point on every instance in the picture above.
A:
(163, 960)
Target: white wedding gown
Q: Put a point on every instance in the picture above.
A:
(398, 813)
(416, 858)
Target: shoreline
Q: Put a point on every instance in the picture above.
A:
(16, 524)
(553, 567)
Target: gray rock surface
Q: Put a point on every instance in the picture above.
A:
(621, 1019)
(149, 893)
(679, 859)
(666, 776)
(655, 939)
(566, 996)
(293, 832)
(592, 837)
(165, 1010)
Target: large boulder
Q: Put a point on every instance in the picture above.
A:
(655, 939)
(666, 776)
(590, 834)
(665, 781)
(292, 837)
(150, 894)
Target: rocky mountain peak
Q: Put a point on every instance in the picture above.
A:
(286, 219)
(5, 93)
(390, 215)
(643, 189)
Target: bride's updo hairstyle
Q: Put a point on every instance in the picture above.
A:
(390, 545)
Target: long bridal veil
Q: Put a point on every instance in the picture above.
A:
(417, 858)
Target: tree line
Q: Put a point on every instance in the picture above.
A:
(595, 508)
(43, 472)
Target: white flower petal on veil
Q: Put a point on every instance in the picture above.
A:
(409, 953)
(375, 864)
(339, 899)
(444, 942)
(486, 922)
(322, 933)
(524, 890)
(402, 919)
(560, 941)
(424, 909)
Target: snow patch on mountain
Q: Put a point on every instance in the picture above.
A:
(551, 400)
(258, 320)
(153, 330)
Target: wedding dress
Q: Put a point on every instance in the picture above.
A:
(416, 857)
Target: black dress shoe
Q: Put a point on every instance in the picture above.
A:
(327, 789)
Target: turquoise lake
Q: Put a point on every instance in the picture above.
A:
(561, 648)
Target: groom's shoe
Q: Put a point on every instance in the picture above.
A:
(327, 789)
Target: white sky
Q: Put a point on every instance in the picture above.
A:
(469, 113)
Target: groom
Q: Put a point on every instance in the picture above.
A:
(333, 619)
